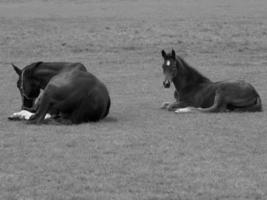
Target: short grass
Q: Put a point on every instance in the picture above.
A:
(139, 151)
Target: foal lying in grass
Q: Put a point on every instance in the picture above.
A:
(195, 92)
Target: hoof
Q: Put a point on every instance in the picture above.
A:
(165, 105)
(171, 107)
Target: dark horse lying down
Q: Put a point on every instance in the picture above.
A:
(70, 92)
(197, 92)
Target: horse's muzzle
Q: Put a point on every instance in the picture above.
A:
(166, 84)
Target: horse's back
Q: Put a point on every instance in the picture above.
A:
(64, 66)
(239, 88)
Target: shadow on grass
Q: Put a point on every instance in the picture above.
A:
(59, 122)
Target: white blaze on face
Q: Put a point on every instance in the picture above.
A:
(168, 63)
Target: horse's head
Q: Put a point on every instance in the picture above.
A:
(169, 67)
(28, 86)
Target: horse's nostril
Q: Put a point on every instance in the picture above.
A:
(166, 84)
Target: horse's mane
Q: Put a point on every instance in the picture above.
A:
(31, 67)
(192, 75)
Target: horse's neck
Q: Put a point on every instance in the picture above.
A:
(45, 73)
(188, 78)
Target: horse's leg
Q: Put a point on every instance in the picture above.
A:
(186, 109)
(251, 105)
(256, 107)
(170, 106)
(43, 108)
(173, 106)
(219, 104)
(36, 102)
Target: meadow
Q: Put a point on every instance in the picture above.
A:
(139, 152)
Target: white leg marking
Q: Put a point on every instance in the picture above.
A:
(185, 110)
(24, 115)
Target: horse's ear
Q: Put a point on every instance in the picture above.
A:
(173, 54)
(163, 53)
(17, 70)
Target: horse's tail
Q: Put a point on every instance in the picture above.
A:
(107, 108)
(257, 106)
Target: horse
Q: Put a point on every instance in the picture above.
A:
(70, 92)
(195, 92)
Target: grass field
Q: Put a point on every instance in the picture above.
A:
(139, 152)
